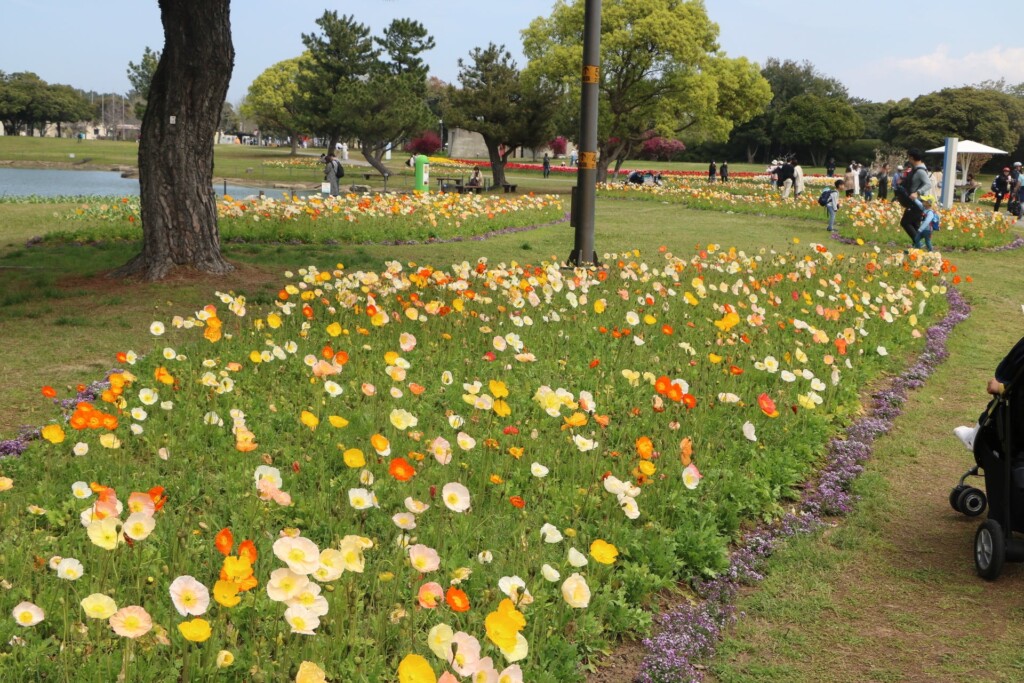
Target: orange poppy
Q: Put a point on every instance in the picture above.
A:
(645, 447)
(224, 541)
(457, 599)
(517, 502)
(674, 393)
(734, 370)
(685, 451)
(401, 470)
(49, 392)
(662, 384)
(156, 494)
(689, 400)
(247, 549)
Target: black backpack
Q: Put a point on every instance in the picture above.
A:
(825, 196)
(340, 169)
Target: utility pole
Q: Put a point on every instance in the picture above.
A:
(585, 192)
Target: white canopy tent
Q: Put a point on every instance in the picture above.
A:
(965, 150)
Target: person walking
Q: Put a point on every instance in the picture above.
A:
(883, 182)
(928, 219)
(832, 206)
(830, 167)
(1001, 186)
(850, 179)
(798, 179)
(712, 171)
(913, 187)
(723, 172)
(786, 178)
(547, 165)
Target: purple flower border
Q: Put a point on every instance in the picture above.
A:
(10, 448)
(688, 635)
(1017, 243)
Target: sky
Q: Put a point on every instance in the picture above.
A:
(880, 50)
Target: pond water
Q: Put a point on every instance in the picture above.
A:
(19, 182)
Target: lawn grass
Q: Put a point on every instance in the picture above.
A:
(891, 593)
(62, 324)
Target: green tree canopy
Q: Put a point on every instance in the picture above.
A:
(817, 123)
(333, 73)
(274, 102)
(353, 89)
(661, 70)
(140, 76)
(497, 101)
(986, 116)
(787, 79)
(28, 103)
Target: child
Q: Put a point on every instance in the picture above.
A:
(833, 205)
(924, 231)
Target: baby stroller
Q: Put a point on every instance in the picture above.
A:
(996, 455)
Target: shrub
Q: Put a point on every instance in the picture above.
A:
(427, 142)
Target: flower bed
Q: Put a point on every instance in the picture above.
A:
(437, 472)
(963, 226)
(346, 219)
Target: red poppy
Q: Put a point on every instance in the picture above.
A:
(224, 541)
(735, 370)
(401, 470)
(511, 429)
(517, 502)
(594, 363)
(767, 405)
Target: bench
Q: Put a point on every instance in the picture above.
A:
(509, 187)
(385, 176)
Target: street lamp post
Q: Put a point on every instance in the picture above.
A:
(585, 192)
(440, 123)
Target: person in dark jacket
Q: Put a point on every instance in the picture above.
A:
(724, 171)
(712, 170)
(883, 182)
(1001, 186)
(915, 185)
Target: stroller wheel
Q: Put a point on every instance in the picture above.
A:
(971, 501)
(954, 497)
(989, 550)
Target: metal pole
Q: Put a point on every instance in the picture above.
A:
(583, 252)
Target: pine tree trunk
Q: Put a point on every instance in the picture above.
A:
(497, 162)
(179, 207)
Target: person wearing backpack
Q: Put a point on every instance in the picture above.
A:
(929, 223)
(332, 171)
(917, 184)
(830, 200)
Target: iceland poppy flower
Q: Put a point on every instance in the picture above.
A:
(457, 599)
(401, 470)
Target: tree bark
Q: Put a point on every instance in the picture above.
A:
(179, 207)
(374, 156)
(497, 160)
